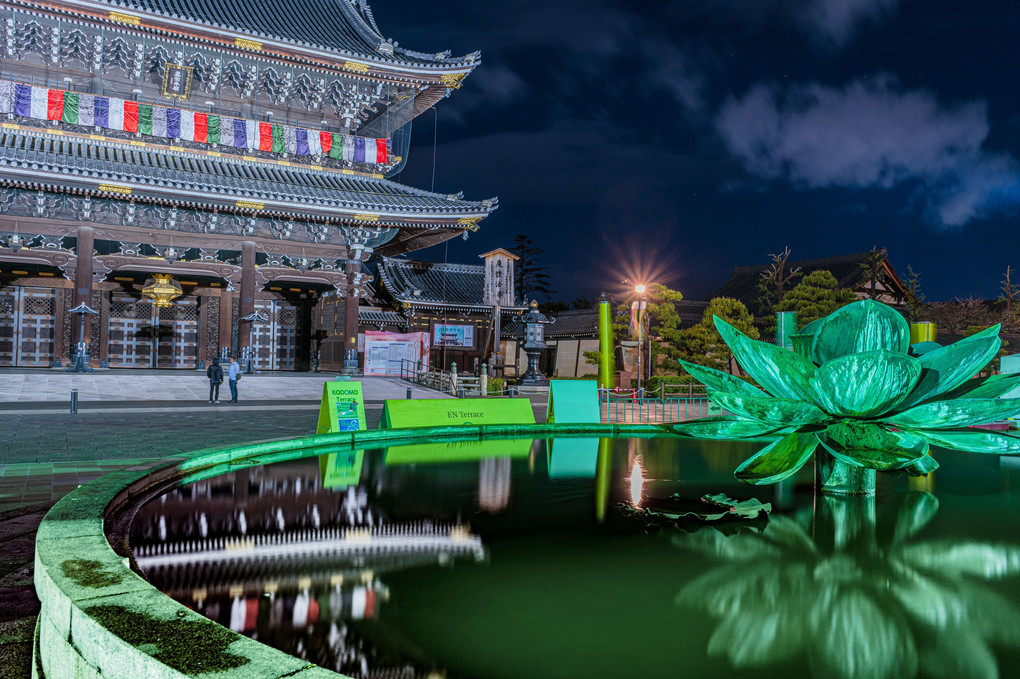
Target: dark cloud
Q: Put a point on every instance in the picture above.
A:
(871, 134)
(834, 23)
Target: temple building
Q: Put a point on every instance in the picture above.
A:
(209, 177)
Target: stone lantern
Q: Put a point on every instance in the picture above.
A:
(534, 342)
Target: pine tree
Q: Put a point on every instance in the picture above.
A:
(530, 277)
(817, 295)
(774, 281)
(915, 298)
(872, 268)
(702, 343)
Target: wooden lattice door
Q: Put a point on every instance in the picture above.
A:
(27, 326)
(130, 329)
(178, 335)
(275, 340)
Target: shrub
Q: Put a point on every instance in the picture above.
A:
(496, 386)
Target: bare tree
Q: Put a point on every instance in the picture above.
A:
(1009, 297)
(774, 280)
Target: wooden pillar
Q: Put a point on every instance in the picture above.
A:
(247, 297)
(226, 321)
(353, 297)
(83, 279)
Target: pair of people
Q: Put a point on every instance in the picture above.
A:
(215, 375)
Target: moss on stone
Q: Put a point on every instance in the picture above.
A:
(87, 573)
(188, 646)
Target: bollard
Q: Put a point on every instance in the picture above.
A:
(483, 382)
(409, 393)
(460, 392)
(74, 401)
(513, 392)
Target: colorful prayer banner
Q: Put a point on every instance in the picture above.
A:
(79, 108)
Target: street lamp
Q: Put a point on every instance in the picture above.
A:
(640, 290)
(254, 317)
(81, 351)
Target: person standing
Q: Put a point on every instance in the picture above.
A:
(233, 375)
(215, 375)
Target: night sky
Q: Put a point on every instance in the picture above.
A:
(671, 141)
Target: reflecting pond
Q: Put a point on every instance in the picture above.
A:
(521, 558)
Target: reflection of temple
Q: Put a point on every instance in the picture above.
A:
(242, 149)
(271, 553)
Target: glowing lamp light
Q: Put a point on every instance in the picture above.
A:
(162, 289)
(639, 289)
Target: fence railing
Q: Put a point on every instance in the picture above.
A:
(681, 402)
(447, 381)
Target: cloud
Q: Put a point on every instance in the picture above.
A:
(835, 22)
(871, 134)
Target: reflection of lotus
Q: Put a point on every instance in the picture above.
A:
(859, 394)
(861, 610)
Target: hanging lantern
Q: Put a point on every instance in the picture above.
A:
(163, 289)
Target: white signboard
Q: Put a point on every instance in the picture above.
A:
(386, 352)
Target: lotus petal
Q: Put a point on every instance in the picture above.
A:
(724, 428)
(758, 637)
(917, 512)
(855, 637)
(779, 371)
(780, 411)
(860, 327)
(812, 327)
(953, 559)
(959, 653)
(961, 412)
(778, 460)
(866, 384)
(868, 445)
(974, 441)
(720, 381)
(991, 386)
(925, 464)
(947, 368)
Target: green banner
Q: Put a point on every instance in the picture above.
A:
(457, 451)
(342, 409)
(339, 470)
(573, 402)
(444, 412)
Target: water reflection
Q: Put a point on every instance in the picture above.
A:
(295, 556)
(856, 601)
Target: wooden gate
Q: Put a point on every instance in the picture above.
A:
(275, 340)
(178, 335)
(27, 326)
(142, 336)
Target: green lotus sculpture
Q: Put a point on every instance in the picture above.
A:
(853, 393)
(856, 601)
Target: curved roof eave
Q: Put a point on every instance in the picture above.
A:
(360, 47)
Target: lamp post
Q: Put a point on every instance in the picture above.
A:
(81, 349)
(640, 290)
(534, 343)
(252, 318)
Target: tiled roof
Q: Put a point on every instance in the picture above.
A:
(575, 323)
(344, 26)
(743, 284)
(378, 317)
(430, 282)
(42, 159)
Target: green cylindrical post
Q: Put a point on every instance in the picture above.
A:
(605, 346)
(786, 327)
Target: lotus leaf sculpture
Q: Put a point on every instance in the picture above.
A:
(855, 393)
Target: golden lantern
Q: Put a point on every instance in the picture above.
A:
(163, 289)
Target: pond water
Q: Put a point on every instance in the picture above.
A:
(518, 558)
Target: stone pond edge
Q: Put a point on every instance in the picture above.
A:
(88, 591)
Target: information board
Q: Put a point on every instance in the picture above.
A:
(386, 352)
(342, 408)
(573, 402)
(444, 335)
(444, 412)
